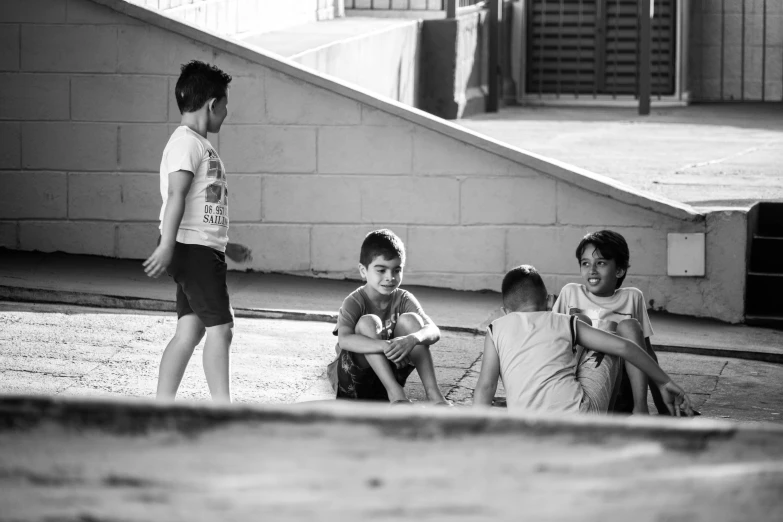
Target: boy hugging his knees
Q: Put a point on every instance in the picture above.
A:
(534, 352)
(383, 332)
(601, 302)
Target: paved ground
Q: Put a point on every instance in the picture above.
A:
(704, 155)
(78, 351)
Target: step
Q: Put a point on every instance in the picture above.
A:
(770, 220)
(766, 254)
(767, 321)
(764, 294)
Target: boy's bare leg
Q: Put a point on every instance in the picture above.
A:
(370, 326)
(217, 357)
(190, 331)
(409, 323)
(631, 329)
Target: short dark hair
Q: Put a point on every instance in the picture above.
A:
(198, 83)
(611, 245)
(522, 285)
(384, 243)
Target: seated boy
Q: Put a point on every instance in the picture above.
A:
(604, 260)
(383, 333)
(534, 352)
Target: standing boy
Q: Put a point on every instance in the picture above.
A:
(604, 259)
(534, 352)
(194, 233)
(383, 332)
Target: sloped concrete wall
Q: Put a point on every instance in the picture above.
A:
(86, 107)
(233, 17)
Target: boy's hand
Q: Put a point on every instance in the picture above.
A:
(156, 264)
(238, 253)
(400, 347)
(676, 400)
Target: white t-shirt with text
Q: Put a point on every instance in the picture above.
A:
(205, 220)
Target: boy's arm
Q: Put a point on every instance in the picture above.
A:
(488, 378)
(179, 185)
(400, 347)
(353, 342)
(604, 342)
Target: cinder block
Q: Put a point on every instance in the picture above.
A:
(549, 249)
(10, 145)
(116, 197)
(141, 199)
(259, 149)
(34, 97)
(477, 282)
(86, 12)
(435, 280)
(775, 31)
(508, 201)
(69, 146)
(434, 153)
(311, 199)
(280, 248)
(299, 103)
(9, 48)
(245, 100)
(119, 98)
(94, 196)
(456, 249)
(576, 206)
(149, 50)
(141, 147)
(82, 237)
(337, 248)
(364, 150)
(136, 240)
(235, 65)
(8, 234)
(33, 11)
(406, 199)
(69, 48)
(244, 197)
(373, 116)
(33, 195)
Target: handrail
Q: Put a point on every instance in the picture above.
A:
(458, 7)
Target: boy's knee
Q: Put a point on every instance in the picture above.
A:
(408, 323)
(225, 331)
(369, 325)
(629, 327)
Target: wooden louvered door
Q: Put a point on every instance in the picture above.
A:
(591, 47)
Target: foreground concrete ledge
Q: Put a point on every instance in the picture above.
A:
(142, 416)
(562, 171)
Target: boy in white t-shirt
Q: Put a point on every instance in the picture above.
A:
(534, 352)
(194, 233)
(600, 301)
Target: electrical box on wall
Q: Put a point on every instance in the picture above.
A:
(686, 254)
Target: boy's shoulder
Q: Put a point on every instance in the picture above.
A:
(630, 291)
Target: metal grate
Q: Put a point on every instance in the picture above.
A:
(591, 47)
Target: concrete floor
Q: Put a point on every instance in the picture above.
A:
(703, 155)
(77, 351)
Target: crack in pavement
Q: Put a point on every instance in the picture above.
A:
(730, 156)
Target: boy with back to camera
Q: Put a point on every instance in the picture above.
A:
(194, 233)
(534, 352)
(600, 301)
(382, 330)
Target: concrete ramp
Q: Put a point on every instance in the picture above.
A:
(314, 164)
(141, 461)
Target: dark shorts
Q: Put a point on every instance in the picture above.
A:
(355, 382)
(200, 274)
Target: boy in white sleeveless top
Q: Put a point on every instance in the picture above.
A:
(534, 352)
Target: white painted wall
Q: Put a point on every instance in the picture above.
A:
(313, 165)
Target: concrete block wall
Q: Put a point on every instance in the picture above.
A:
(313, 166)
(720, 67)
(234, 17)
